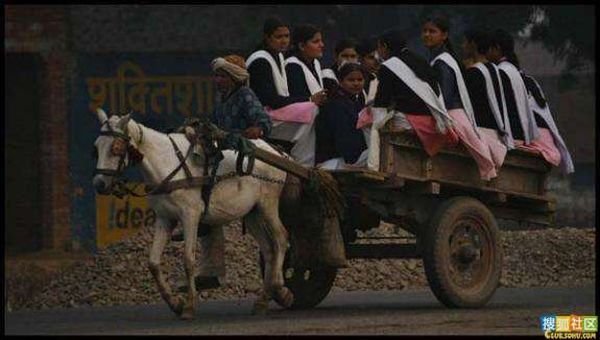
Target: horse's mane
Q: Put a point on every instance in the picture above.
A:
(135, 132)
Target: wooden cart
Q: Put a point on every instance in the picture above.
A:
(442, 202)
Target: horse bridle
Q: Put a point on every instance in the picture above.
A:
(121, 147)
(122, 152)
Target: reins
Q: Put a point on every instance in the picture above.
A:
(207, 181)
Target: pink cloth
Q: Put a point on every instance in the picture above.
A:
(497, 148)
(425, 128)
(303, 112)
(544, 145)
(365, 117)
(478, 149)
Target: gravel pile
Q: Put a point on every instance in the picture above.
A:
(119, 273)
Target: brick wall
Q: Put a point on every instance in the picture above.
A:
(42, 29)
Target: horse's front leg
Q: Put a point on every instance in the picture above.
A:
(162, 232)
(190, 232)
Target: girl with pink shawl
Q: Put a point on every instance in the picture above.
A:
(483, 148)
(409, 94)
(292, 115)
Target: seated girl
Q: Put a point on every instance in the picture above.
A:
(339, 144)
(435, 36)
(484, 85)
(409, 93)
(292, 111)
(532, 123)
(550, 143)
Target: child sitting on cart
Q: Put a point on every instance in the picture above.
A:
(338, 143)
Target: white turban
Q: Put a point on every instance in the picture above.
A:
(238, 73)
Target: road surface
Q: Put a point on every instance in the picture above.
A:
(511, 311)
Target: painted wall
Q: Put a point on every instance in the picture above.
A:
(161, 89)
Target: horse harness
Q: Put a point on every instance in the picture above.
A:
(121, 147)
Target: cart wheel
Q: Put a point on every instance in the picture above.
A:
(310, 285)
(462, 253)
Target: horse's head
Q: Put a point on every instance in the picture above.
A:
(112, 149)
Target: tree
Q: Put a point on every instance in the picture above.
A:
(567, 31)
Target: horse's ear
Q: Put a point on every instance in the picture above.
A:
(102, 117)
(122, 124)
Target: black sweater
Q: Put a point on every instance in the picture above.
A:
(447, 80)
(533, 90)
(394, 93)
(477, 87)
(336, 133)
(511, 107)
(263, 84)
(296, 81)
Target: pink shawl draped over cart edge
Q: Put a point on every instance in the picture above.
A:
(423, 125)
(478, 148)
(303, 112)
(491, 137)
(425, 128)
(543, 145)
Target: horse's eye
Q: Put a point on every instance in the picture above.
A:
(119, 147)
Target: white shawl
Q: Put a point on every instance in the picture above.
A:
(423, 90)
(314, 85)
(501, 116)
(530, 129)
(462, 87)
(280, 78)
(566, 163)
(329, 74)
(370, 95)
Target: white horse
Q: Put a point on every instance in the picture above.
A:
(232, 198)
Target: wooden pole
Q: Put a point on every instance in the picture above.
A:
(282, 163)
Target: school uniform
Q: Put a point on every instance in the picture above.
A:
(330, 78)
(370, 89)
(304, 79)
(413, 103)
(269, 80)
(458, 104)
(295, 123)
(484, 84)
(292, 113)
(339, 142)
(520, 116)
(550, 143)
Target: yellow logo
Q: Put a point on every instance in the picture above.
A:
(563, 323)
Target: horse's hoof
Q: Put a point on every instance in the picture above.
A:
(260, 308)
(177, 305)
(188, 314)
(285, 297)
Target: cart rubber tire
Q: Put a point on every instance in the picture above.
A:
(441, 262)
(308, 291)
